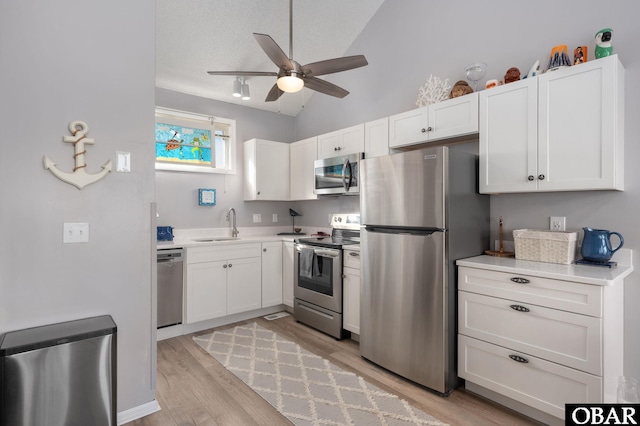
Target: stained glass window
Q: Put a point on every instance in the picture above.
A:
(191, 142)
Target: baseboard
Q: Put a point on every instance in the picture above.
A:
(138, 412)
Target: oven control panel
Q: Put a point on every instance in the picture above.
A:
(345, 221)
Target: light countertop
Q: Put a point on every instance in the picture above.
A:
(587, 274)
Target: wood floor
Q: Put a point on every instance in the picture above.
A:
(194, 389)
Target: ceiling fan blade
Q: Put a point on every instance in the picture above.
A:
(274, 94)
(273, 51)
(245, 73)
(325, 87)
(331, 66)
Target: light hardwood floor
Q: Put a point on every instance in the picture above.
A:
(194, 389)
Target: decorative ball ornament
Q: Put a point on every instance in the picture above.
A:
(433, 91)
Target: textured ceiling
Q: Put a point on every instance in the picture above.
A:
(196, 36)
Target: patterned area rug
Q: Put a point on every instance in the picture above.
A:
(304, 387)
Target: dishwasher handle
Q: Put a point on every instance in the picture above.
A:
(165, 256)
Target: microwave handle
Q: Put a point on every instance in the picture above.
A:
(346, 184)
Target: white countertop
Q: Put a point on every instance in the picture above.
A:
(184, 238)
(596, 275)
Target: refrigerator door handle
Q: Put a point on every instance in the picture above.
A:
(402, 231)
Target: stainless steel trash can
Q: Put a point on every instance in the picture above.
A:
(59, 374)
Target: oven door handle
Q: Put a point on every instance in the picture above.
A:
(326, 253)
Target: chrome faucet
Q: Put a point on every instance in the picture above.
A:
(234, 230)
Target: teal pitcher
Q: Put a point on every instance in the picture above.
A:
(596, 245)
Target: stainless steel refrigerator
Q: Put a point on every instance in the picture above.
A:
(420, 212)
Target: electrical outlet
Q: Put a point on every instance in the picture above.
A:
(557, 223)
(274, 217)
(75, 233)
(257, 217)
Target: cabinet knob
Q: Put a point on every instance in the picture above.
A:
(518, 358)
(530, 178)
(540, 177)
(258, 192)
(224, 266)
(264, 249)
(230, 265)
(423, 130)
(429, 129)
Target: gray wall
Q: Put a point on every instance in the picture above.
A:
(92, 61)
(408, 40)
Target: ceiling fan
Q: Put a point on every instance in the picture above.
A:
(291, 75)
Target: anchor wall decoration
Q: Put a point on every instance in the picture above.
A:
(79, 177)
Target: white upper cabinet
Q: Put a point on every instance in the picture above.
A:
(266, 170)
(302, 155)
(376, 138)
(341, 142)
(447, 119)
(560, 131)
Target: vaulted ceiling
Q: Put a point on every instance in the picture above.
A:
(196, 36)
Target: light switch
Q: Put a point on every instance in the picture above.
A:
(123, 161)
(274, 217)
(257, 217)
(75, 233)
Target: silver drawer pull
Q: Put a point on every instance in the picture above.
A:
(353, 253)
(519, 308)
(520, 280)
(518, 358)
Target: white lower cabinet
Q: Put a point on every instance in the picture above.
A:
(243, 285)
(288, 273)
(271, 274)
(222, 280)
(351, 291)
(540, 341)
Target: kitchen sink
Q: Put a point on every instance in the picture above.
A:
(213, 239)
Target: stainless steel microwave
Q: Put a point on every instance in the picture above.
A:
(338, 175)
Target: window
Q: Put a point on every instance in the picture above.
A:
(194, 142)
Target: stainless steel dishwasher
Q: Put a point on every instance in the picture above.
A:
(170, 287)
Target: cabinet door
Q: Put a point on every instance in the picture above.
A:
(376, 138)
(409, 127)
(508, 138)
(454, 117)
(287, 273)
(244, 291)
(580, 133)
(351, 298)
(272, 171)
(341, 142)
(302, 176)
(271, 274)
(352, 140)
(206, 291)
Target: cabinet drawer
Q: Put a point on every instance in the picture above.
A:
(566, 338)
(541, 384)
(564, 295)
(351, 259)
(214, 253)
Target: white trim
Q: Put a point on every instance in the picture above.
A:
(138, 412)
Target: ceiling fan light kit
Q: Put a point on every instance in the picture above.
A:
(291, 77)
(290, 83)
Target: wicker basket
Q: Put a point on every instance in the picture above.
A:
(545, 246)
